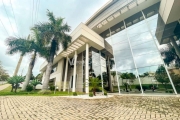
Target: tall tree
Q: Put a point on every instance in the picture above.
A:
(54, 33)
(31, 45)
(170, 56)
(3, 74)
(161, 76)
(113, 73)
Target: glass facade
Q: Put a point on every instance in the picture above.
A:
(138, 62)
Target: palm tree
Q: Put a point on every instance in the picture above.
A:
(24, 46)
(18, 65)
(113, 73)
(170, 56)
(54, 34)
(94, 84)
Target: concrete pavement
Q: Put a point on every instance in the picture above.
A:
(114, 108)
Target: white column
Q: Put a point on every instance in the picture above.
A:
(87, 69)
(74, 72)
(65, 75)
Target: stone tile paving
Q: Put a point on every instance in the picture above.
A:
(115, 108)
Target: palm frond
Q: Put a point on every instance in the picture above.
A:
(51, 17)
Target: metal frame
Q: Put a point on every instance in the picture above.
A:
(159, 53)
(133, 57)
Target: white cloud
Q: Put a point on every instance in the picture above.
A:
(73, 11)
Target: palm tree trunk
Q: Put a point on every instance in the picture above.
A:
(29, 72)
(18, 66)
(49, 65)
(110, 81)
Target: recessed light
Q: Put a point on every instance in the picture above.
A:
(99, 26)
(140, 1)
(116, 14)
(132, 5)
(104, 22)
(124, 10)
(110, 18)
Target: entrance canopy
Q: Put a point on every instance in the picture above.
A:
(80, 36)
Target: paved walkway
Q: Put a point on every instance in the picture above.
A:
(2, 87)
(114, 108)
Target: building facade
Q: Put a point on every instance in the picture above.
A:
(119, 45)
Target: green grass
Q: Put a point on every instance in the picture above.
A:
(6, 92)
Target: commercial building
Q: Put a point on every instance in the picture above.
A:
(120, 38)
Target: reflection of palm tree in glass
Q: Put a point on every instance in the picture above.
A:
(129, 77)
(113, 73)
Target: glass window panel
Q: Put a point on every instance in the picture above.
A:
(121, 46)
(142, 51)
(119, 37)
(143, 45)
(141, 36)
(129, 84)
(147, 59)
(154, 79)
(125, 64)
(123, 54)
(137, 29)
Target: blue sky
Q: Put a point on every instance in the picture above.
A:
(74, 12)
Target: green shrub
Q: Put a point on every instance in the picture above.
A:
(170, 91)
(144, 87)
(105, 93)
(138, 87)
(150, 87)
(90, 94)
(166, 91)
(29, 88)
(45, 92)
(74, 94)
(52, 88)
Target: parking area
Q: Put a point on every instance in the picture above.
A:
(114, 108)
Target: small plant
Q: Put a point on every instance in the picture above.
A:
(29, 88)
(52, 87)
(35, 82)
(14, 81)
(105, 93)
(90, 94)
(74, 94)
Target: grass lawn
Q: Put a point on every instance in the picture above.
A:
(6, 92)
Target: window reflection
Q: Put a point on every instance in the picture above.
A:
(154, 79)
(145, 55)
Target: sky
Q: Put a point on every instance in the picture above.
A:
(16, 20)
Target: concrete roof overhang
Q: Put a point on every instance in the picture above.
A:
(80, 36)
(165, 31)
(168, 21)
(124, 12)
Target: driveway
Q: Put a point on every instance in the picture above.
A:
(115, 108)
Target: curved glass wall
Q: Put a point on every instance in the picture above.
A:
(138, 63)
